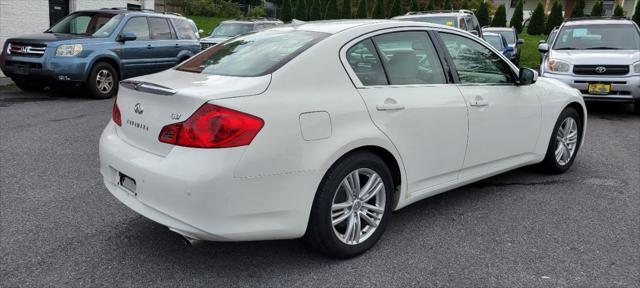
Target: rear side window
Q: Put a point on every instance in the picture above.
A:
(253, 54)
(160, 29)
(184, 29)
(364, 61)
(138, 26)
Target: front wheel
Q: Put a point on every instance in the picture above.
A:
(564, 142)
(103, 81)
(352, 206)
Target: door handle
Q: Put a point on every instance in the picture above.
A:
(389, 107)
(479, 102)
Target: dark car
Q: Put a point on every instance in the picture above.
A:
(497, 41)
(95, 49)
(509, 34)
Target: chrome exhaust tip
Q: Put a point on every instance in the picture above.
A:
(191, 242)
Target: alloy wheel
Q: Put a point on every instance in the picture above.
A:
(104, 81)
(566, 141)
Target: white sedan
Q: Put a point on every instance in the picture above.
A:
(321, 130)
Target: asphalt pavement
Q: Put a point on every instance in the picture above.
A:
(60, 227)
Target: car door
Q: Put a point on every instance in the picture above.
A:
(402, 81)
(504, 118)
(165, 45)
(187, 37)
(134, 55)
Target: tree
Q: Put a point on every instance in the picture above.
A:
(618, 11)
(578, 9)
(555, 17)
(395, 9)
(301, 12)
(315, 12)
(517, 17)
(447, 5)
(361, 11)
(536, 24)
(500, 18)
(345, 11)
(483, 14)
(378, 10)
(429, 6)
(286, 13)
(636, 15)
(465, 4)
(413, 6)
(597, 9)
(331, 11)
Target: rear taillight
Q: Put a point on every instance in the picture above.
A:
(213, 126)
(115, 113)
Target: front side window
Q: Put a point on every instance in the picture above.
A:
(88, 24)
(598, 37)
(159, 28)
(409, 58)
(137, 26)
(476, 63)
(254, 54)
(364, 61)
(185, 30)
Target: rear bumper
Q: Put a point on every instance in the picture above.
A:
(194, 192)
(623, 89)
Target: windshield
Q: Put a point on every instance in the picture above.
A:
(494, 40)
(601, 36)
(93, 24)
(253, 54)
(231, 29)
(508, 36)
(443, 20)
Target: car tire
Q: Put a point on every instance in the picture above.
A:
(563, 146)
(332, 204)
(636, 106)
(103, 81)
(28, 86)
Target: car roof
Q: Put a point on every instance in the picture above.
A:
(253, 20)
(492, 34)
(573, 22)
(424, 15)
(126, 11)
(336, 26)
(497, 29)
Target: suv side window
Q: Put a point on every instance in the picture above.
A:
(409, 58)
(463, 24)
(364, 61)
(184, 29)
(476, 63)
(160, 29)
(138, 26)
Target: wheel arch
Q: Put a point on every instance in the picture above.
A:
(582, 112)
(111, 60)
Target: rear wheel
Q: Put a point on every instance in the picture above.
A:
(29, 86)
(103, 81)
(352, 206)
(564, 142)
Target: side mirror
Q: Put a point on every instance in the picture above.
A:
(200, 31)
(527, 76)
(520, 42)
(126, 36)
(509, 49)
(543, 47)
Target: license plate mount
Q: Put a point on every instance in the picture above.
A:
(599, 88)
(21, 69)
(128, 183)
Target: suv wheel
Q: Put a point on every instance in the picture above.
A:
(352, 206)
(28, 86)
(103, 81)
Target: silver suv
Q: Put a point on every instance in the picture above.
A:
(599, 57)
(461, 19)
(232, 28)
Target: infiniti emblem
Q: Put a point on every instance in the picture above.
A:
(601, 69)
(138, 108)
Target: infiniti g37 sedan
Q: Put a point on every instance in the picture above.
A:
(320, 130)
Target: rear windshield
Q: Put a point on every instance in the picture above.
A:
(494, 40)
(443, 20)
(508, 36)
(231, 29)
(254, 54)
(598, 37)
(88, 24)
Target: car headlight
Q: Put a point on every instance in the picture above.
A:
(558, 66)
(69, 50)
(636, 67)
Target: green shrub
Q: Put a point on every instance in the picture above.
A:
(447, 5)
(429, 6)
(345, 12)
(465, 4)
(636, 15)
(361, 11)
(597, 9)
(555, 17)
(378, 10)
(483, 14)
(315, 12)
(413, 6)
(618, 11)
(286, 12)
(578, 9)
(500, 18)
(517, 17)
(301, 11)
(256, 11)
(199, 8)
(395, 9)
(536, 24)
(332, 12)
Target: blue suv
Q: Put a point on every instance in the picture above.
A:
(95, 49)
